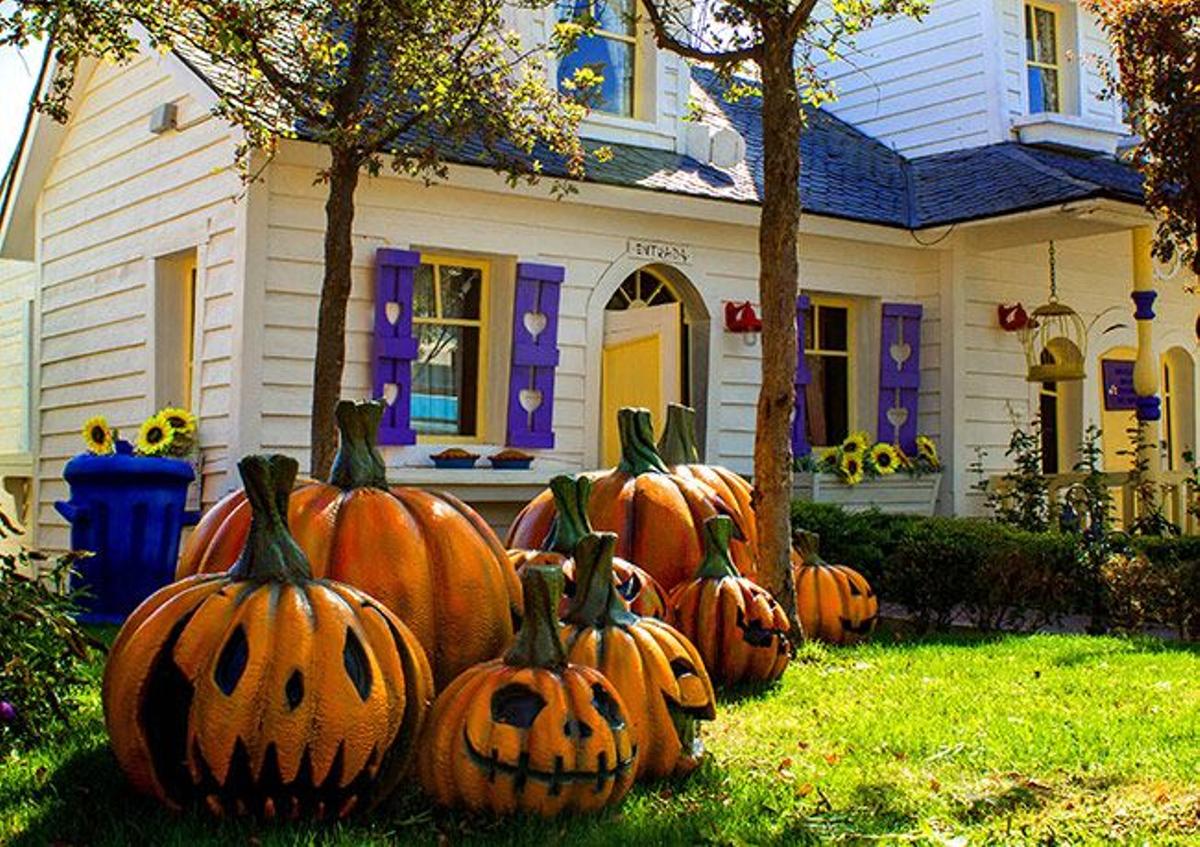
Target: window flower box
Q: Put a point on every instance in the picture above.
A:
(899, 493)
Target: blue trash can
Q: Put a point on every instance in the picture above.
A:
(129, 512)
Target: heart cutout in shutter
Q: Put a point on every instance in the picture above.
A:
(897, 416)
(900, 352)
(390, 392)
(391, 311)
(535, 323)
(530, 400)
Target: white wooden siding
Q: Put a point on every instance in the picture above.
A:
(591, 242)
(919, 87)
(17, 281)
(116, 197)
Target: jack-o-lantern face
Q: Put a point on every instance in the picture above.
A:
(737, 626)
(262, 691)
(659, 673)
(570, 523)
(530, 732)
(835, 603)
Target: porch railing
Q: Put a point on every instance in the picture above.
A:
(1126, 508)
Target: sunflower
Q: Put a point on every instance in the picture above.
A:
(99, 437)
(181, 421)
(927, 450)
(830, 456)
(885, 458)
(852, 469)
(856, 444)
(155, 437)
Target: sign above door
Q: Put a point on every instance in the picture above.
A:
(660, 251)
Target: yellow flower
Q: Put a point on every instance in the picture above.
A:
(852, 469)
(99, 437)
(886, 458)
(927, 450)
(181, 421)
(155, 437)
(856, 443)
(829, 456)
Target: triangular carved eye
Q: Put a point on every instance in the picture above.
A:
(231, 664)
(630, 588)
(607, 707)
(517, 705)
(682, 667)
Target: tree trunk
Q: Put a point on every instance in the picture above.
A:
(778, 285)
(331, 319)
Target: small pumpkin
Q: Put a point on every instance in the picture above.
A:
(679, 450)
(571, 493)
(739, 629)
(263, 691)
(658, 516)
(835, 603)
(428, 557)
(530, 732)
(658, 672)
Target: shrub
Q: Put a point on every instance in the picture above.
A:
(1160, 585)
(43, 651)
(862, 540)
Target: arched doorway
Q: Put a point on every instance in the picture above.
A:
(1178, 408)
(1060, 406)
(655, 351)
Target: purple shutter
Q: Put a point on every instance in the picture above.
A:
(900, 375)
(395, 345)
(534, 355)
(800, 445)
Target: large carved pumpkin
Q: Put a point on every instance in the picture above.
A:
(530, 732)
(263, 691)
(658, 516)
(679, 450)
(835, 603)
(428, 557)
(739, 629)
(571, 494)
(657, 671)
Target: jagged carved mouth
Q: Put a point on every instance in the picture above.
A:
(863, 627)
(757, 635)
(521, 772)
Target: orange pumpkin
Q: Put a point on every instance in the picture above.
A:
(679, 450)
(264, 691)
(571, 494)
(428, 557)
(530, 732)
(657, 671)
(835, 603)
(657, 515)
(739, 629)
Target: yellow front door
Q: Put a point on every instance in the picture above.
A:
(640, 367)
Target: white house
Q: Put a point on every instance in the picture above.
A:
(960, 148)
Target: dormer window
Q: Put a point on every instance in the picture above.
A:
(609, 52)
(1042, 58)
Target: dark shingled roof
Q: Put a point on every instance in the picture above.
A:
(847, 174)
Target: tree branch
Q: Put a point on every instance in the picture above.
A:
(670, 42)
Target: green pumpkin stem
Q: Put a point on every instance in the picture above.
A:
(358, 463)
(571, 522)
(716, 564)
(538, 644)
(638, 454)
(597, 602)
(808, 545)
(271, 553)
(678, 443)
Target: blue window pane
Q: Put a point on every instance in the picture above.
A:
(614, 16)
(1043, 90)
(610, 59)
(445, 376)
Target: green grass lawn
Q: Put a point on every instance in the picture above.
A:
(1012, 740)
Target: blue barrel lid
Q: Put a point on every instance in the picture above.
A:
(87, 465)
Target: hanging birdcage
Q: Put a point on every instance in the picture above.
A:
(1057, 329)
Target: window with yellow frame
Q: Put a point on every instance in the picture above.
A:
(828, 349)
(609, 51)
(1042, 67)
(450, 297)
